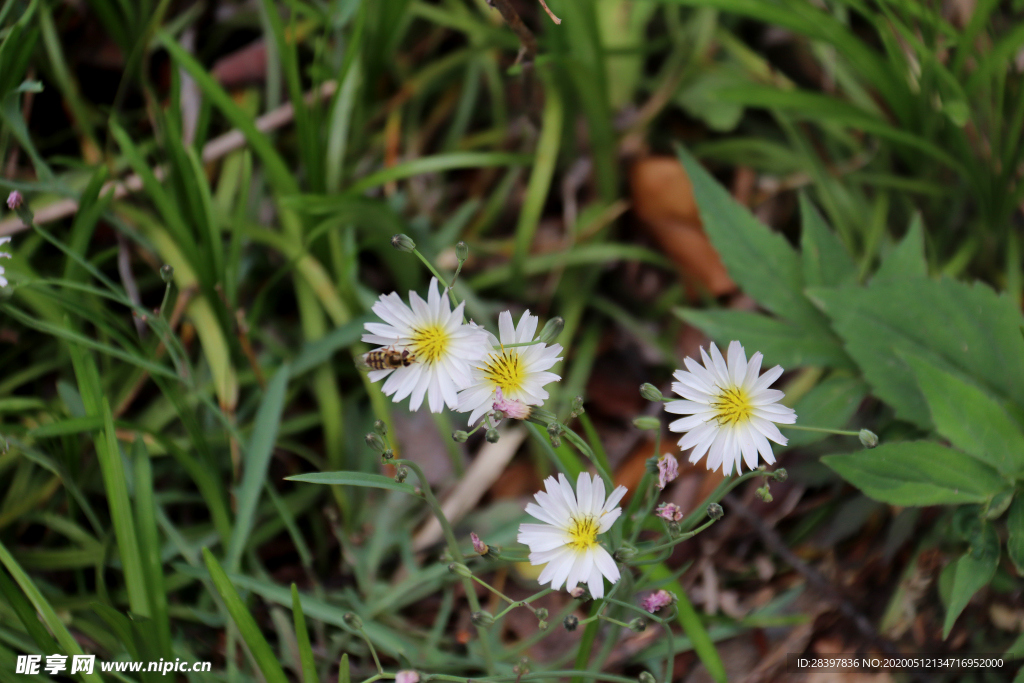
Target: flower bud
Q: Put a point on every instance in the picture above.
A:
(542, 613)
(407, 676)
(670, 512)
(647, 422)
(401, 474)
(542, 625)
(624, 554)
(15, 200)
(492, 435)
(479, 547)
(352, 620)
(551, 330)
(780, 474)
(381, 428)
(651, 464)
(650, 392)
(403, 243)
(375, 442)
(638, 625)
(764, 493)
(555, 429)
(868, 438)
(570, 623)
(460, 569)
(576, 408)
(645, 677)
(556, 442)
(715, 511)
(167, 273)
(387, 456)
(577, 592)
(481, 618)
(674, 529)
(459, 436)
(462, 251)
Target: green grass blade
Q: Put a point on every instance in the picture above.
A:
(305, 649)
(49, 616)
(541, 176)
(149, 545)
(265, 657)
(257, 459)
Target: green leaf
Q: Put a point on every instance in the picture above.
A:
(46, 612)
(1015, 526)
(691, 624)
(149, 546)
(761, 261)
(972, 420)
(257, 460)
(907, 260)
(309, 674)
(782, 343)
(967, 328)
(344, 673)
(26, 614)
(373, 481)
(314, 353)
(918, 473)
(826, 261)
(265, 658)
(973, 571)
(830, 404)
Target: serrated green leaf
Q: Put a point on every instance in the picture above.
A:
(969, 328)
(826, 261)
(918, 473)
(781, 342)
(972, 420)
(973, 571)
(761, 261)
(1015, 527)
(907, 260)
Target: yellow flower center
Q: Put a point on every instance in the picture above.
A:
(583, 532)
(505, 370)
(733, 406)
(429, 343)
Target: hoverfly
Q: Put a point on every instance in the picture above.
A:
(388, 358)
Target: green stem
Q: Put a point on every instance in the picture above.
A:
(676, 541)
(823, 430)
(717, 495)
(430, 266)
(581, 445)
(539, 676)
(373, 650)
(456, 552)
(613, 621)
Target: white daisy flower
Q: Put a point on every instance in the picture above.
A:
(519, 372)
(731, 410)
(4, 254)
(440, 348)
(567, 541)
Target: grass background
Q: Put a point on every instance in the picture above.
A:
(150, 424)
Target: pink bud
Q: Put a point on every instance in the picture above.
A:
(512, 409)
(576, 592)
(670, 512)
(655, 601)
(407, 676)
(15, 200)
(479, 546)
(668, 469)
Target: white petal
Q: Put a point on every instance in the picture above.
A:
(737, 363)
(506, 330)
(766, 380)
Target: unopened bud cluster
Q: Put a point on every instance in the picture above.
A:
(403, 243)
